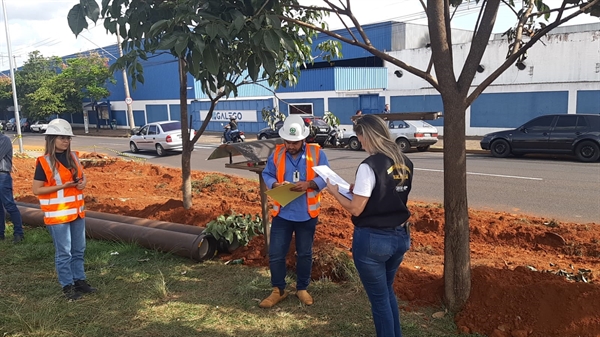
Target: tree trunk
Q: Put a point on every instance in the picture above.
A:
(188, 145)
(457, 258)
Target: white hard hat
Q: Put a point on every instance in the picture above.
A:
(294, 129)
(59, 127)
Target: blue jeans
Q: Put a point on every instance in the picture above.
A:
(8, 204)
(281, 237)
(377, 254)
(69, 246)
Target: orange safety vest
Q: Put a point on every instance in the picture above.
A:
(64, 205)
(313, 197)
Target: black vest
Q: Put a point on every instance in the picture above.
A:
(386, 207)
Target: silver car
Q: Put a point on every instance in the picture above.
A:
(408, 134)
(39, 126)
(160, 137)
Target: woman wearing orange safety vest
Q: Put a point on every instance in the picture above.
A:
(292, 163)
(58, 183)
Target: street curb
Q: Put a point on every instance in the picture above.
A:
(471, 151)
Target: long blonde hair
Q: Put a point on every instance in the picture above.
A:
(50, 150)
(375, 132)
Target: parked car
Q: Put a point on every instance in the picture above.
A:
(159, 136)
(407, 134)
(268, 133)
(574, 134)
(39, 126)
(10, 125)
(24, 123)
(319, 135)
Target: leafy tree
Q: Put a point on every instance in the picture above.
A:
(82, 78)
(36, 71)
(45, 101)
(223, 44)
(272, 116)
(6, 98)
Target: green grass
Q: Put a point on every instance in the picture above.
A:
(146, 293)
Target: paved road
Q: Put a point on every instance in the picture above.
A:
(559, 188)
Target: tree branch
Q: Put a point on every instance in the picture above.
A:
(520, 27)
(436, 20)
(263, 6)
(510, 7)
(430, 63)
(478, 44)
(447, 19)
(561, 9)
(339, 12)
(481, 10)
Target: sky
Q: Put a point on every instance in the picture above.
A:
(42, 24)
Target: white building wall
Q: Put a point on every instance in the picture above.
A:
(567, 61)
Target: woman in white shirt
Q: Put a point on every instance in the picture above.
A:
(379, 214)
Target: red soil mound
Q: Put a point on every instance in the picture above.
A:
(516, 258)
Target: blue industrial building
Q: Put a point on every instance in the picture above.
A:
(360, 80)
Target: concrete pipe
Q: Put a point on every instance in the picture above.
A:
(195, 246)
(171, 226)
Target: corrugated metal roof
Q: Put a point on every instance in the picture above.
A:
(360, 78)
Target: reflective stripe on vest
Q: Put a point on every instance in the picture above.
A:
(66, 204)
(313, 197)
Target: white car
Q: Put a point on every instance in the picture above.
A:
(160, 137)
(39, 126)
(408, 134)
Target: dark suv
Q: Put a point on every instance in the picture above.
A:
(577, 134)
(319, 133)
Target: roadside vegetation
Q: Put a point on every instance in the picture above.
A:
(146, 293)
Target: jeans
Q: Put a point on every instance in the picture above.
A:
(69, 246)
(377, 254)
(8, 204)
(281, 237)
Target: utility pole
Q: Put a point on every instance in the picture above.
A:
(12, 79)
(126, 84)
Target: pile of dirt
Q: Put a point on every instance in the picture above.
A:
(528, 272)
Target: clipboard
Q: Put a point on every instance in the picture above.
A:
(326, 172)
(283, 194)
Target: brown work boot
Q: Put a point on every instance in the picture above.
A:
(276, 296)
(304, 297)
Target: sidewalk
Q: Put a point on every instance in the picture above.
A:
(212, 137)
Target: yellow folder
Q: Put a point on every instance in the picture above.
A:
(283, 194)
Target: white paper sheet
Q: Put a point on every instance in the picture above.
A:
(326, 172)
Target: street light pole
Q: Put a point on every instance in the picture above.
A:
(12, 79)
(126, 84)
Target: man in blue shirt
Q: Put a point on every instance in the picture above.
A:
(291, 163)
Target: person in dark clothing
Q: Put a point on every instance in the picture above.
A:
(6, 191)
(379, 214)
(230, 127)
(357, 114)
(386, 109)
